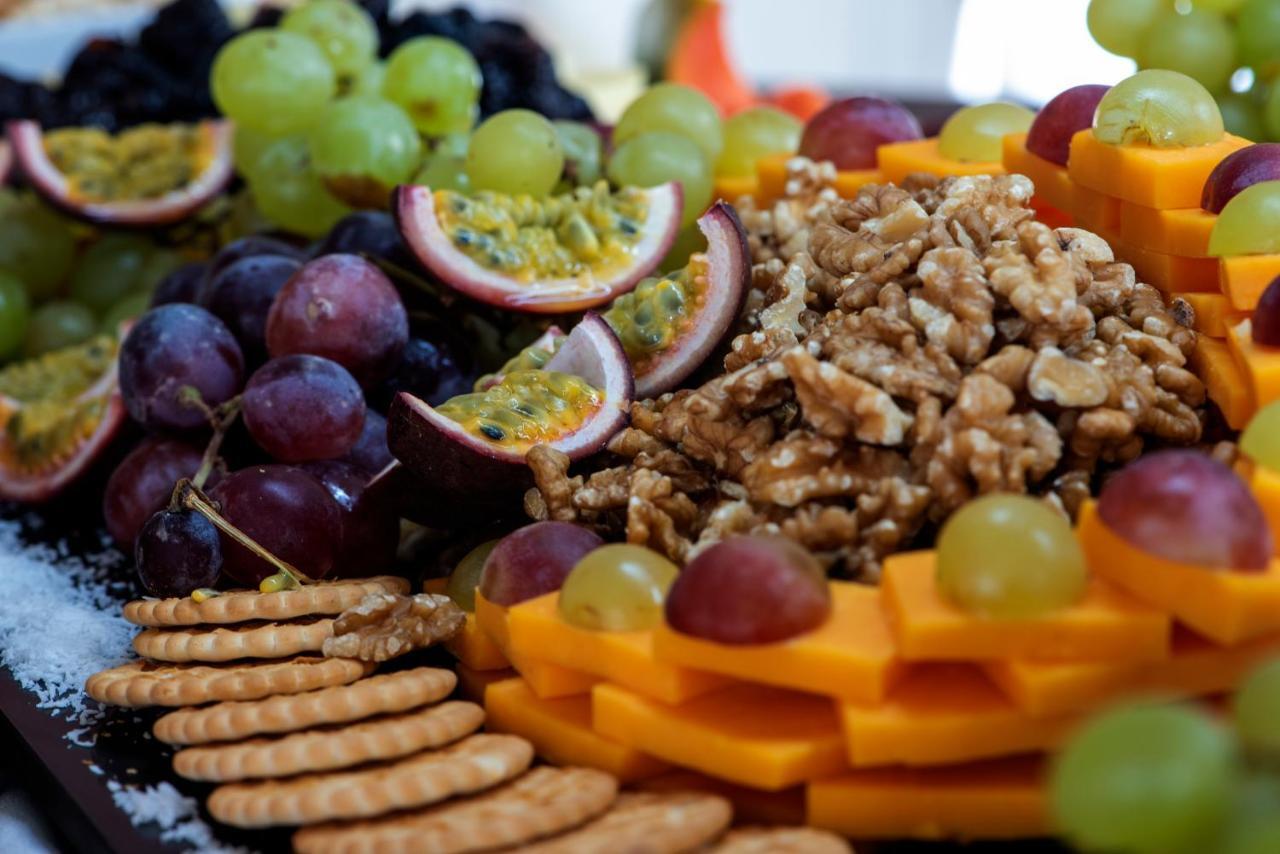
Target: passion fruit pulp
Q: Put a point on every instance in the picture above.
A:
(564, 253)
(57, 413)
(147, 175)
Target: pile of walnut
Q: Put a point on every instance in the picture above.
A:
(906, 350)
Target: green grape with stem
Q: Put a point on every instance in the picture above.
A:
(272, 81)
(1119, 25)
(289, 192)
(437, 82)
(754, 133)
(515, 151)
(340, 28)
(15, 310)
(1199, 44)
(362, 147)
(58, 324)
(976, 134)
(1165, 109)
(657, 157)
(673, 108)
(1250, 222)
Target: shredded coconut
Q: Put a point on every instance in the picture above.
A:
(177, 815)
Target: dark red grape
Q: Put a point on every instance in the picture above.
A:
(241, 296)
(178, 551)
(749, 590)
(173, 348)
(1187, 507)
(848, 132)
(372, 233)
(343, 308)
(182, 285)
(370, 452)
(303, 407)
(534, 560)
(247, 247)
(1066, 113)
(1238, 170)
(286, 511)
(370, 526)
(1266, 316)
(430, 371)
(142, 484)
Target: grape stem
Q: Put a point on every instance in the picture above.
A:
(188, 495)
(221, 419)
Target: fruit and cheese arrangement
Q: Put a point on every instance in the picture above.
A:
(753, 472)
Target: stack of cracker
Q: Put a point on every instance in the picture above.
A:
(377, 762)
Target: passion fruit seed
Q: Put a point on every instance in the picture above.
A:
(527, 408)
(278, 582)
(203, 594)
(143, 162)
(586, 230)
(651, 317)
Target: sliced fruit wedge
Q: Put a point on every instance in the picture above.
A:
(561, 254)
(149, 175)
(58, 412)
(535, 356)
(475, 444)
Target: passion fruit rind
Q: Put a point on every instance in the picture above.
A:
(566, 253)
(150, 175)
(458, 459)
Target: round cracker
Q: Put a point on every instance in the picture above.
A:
(147, 683)
(781, 840)
(656, 823)
(271, 640)
(242, 606)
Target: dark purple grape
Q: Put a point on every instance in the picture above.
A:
(142, 484)
(247, 247)
(1066, 114)
(1266, 316)
(170, 350)
(430, 371)
(241, 296)
(287, 512)
(1240, 170)
(182, 285)
(303, 407)
(370, 452)
(370, 526)
(372, 233)
(343, 308)
(178, 551)
(534, 560)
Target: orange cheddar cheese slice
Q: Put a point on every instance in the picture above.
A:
(472, 683)
(1196, 668)
(548, 681)
(750, 806)
(474, 648)
(560, 731)
(897, 160)
(626, 658)
(999, 799)
(435, 585)
(1148, 176)
(730, 188)
(771, 177)
(1096, 211)
(850, 181)
(1264, 483)
(1224, 380)
(1051, 216)
(1244, 277)
(1053, 184)
(1177, 231)
(1170, 273)
(942, 714)
(1260, 363)
(1213, 313)
(851, 656)
(749, 734)
(1223, 605)
(1107, 623)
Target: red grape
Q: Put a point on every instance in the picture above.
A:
(1187, 507)
(171, 349)
(343, 308)
(370, 452)
(433, 371)
(534, 560)
(749, 590)
(182, 285)
(1240, 169)
(1266, 316)
(142, 484)
(248, 247)
(241, 296)
(287, 512)
(178, 551)
(370, 526)
(372, 233)
(302, 407)
(848, 132)
(1066, 113)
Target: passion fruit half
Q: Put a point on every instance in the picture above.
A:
(475, 444)
(58, 412)
(560, 254)
(149, 175)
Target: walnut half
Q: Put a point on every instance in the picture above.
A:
(387, 625)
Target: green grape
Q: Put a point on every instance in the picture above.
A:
(1226, 7)
(1254, 826)
(1144, 780)
(676, 109)
(58, 324)
(617, 588)
(110, 269)
(515, 151)
(753, 133)
(271, 81)
(1258, 35)
(465, 577)
(368, 80)
(1200, 44)
(654, 158)
(1250, 222)
(583, 153)
(247, 146)
(289, 192)
(1163, 108)
(1241, 116)
(437, 82)
(1271, 112)
(446, 166)
(1119, 25)
(976, 134)
(1260, 440)
(1009, 556)
(15, 310)
(127, 308)
(344, 31)
(37, 246)
(1257, 711)
(362, 147)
